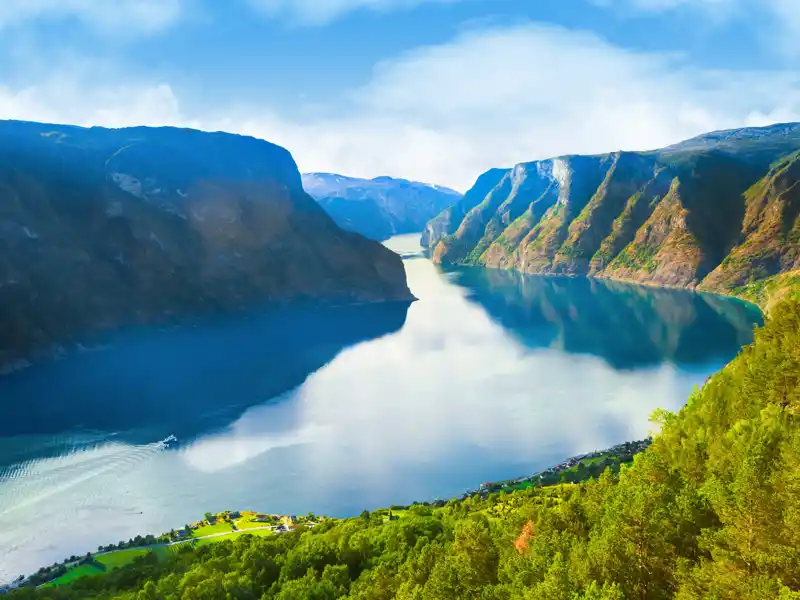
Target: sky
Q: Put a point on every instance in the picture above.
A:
(433, 90)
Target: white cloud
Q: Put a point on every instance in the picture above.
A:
(65, 100)
(777, 21)
(118, 15)
(446, 113)
(787, 16)
(319, 12)
(662, 5)
(133, 16)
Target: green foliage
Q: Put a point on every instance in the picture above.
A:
(636, 257)
(710, 511)
(474, 256)
(763, 291)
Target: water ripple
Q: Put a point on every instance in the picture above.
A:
(41, 496)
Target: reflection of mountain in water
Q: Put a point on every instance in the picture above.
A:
(187, 380)
(629, 326)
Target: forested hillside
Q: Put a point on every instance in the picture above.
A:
(711, 510)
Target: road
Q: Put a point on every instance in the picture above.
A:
(193, 539)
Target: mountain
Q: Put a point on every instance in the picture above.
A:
(718, 212)
(101, 228)
(378, 208)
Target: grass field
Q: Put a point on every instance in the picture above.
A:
(115, 560)
(243, 524)
(517, 486)
(164, 552)
(121, 558)
(223, 538)
(218, 527)
(74, 573)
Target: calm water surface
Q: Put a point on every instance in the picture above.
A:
(490, 375)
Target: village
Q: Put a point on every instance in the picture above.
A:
(573, 470)
(233, 521)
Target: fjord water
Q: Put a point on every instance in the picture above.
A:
(490, 375)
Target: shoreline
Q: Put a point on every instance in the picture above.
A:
(624, 451)
(763, 307)
(238, 522)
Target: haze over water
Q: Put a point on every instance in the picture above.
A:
(490, 375)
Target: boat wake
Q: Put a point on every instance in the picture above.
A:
(41, 499)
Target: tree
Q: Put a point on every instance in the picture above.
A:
(148, 591)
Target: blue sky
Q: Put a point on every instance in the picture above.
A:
(435, 90)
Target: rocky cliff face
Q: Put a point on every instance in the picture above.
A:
(446, 222)
(378, 208)
(719, 212)
(101, 228)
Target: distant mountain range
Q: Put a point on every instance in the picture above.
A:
(101, 228)
(378, 208)
(718, 212)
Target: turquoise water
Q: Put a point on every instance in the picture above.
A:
(490, 375)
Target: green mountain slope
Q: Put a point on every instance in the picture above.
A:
(710, 511)
(101, 228)
(718, 213)
(770, 230)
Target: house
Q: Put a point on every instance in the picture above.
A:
(5, 589)
(293, 518)
(182, 534)
(262, 519)
(280, 528)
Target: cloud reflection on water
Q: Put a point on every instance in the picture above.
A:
(490, 376)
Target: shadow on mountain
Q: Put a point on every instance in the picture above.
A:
(629, 326)
(189, 380)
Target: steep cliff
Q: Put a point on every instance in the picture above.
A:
(100, 228)
(718, 212)
(378, 208)
(449, 219)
